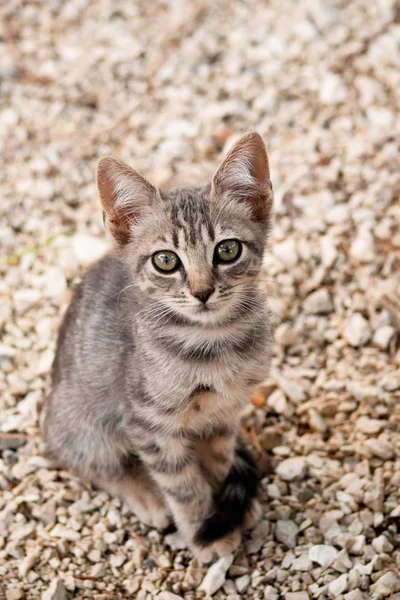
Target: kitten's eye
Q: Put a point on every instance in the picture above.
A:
(166, 261)
(227, 251)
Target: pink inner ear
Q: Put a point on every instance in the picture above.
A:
(123, 194)
(245, 175)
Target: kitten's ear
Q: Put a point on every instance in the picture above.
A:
(244, 176)
(124, 195)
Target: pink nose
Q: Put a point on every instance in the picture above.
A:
(203, 294)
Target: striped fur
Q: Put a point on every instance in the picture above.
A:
(149, 383)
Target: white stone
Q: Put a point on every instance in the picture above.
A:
(338, 214)
(322, 554)
(317, 422)
(386, 585)
(242, 583)
(292, 468)
(318, 303)
(286, 252)
(271, 593)
(98, 570)
(216, 575)
(355, 595)
(370, 426)
(358, 545)
(357, 331)
(383, 336)
(56, 591)
(332, 89)
(290, 388)
(380, 447)
(28, 562)
(55, 284)
(277, 401)
(286, 532)
(297, 596)
(168, 596)
(362, 248)
(339, 585)
(302, 563)
(382, 544)
(87, 248)
(60, 531)
(14, 594)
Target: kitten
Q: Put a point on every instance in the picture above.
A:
(162, 346)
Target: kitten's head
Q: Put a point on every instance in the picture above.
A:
(196, 251)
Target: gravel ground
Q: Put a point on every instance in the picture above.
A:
(167, 86)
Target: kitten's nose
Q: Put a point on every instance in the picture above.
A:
(203, 294)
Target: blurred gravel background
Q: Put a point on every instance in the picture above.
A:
(168, 86)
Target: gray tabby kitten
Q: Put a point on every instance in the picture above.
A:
(162, 346)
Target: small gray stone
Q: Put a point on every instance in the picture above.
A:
(323, 554)
(383, 336)
(356, 331)
(386, 585)
(168, 596)
(216, 575)
(292, 468)
(286, 532)
(318, 303)
(271, 593)
(339, 585)
(382, 544)
(302, 563)
(14, 594)
(56, 591)
(242, 583)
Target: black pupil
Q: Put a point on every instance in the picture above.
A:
(228, 248)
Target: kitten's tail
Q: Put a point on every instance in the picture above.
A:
(234, 501)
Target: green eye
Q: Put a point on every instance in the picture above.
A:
(227, 251)
(166, 261)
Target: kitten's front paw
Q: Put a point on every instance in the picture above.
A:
(221, 547)
(156, 515)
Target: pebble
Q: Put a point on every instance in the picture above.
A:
(323, 555)
(168, 596)
(302, 563)
(286, 532)
(386, 585)
(383, 336)
(339, 585)
(297, 596)
(332, 89)
(356, 330)
(382, 544)
(14, 594)
(293, 390)
(242, 583)
(271, 593)
(277, 401)
(56, 591)
(88, 249)
(318, 303)
(292, 468)
(28, 562)
(362, 248)
(216, 575)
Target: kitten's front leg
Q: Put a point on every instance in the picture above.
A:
(216, 454)
(177, 471)
(236, 483)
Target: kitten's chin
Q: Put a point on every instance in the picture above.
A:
(208, 315)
